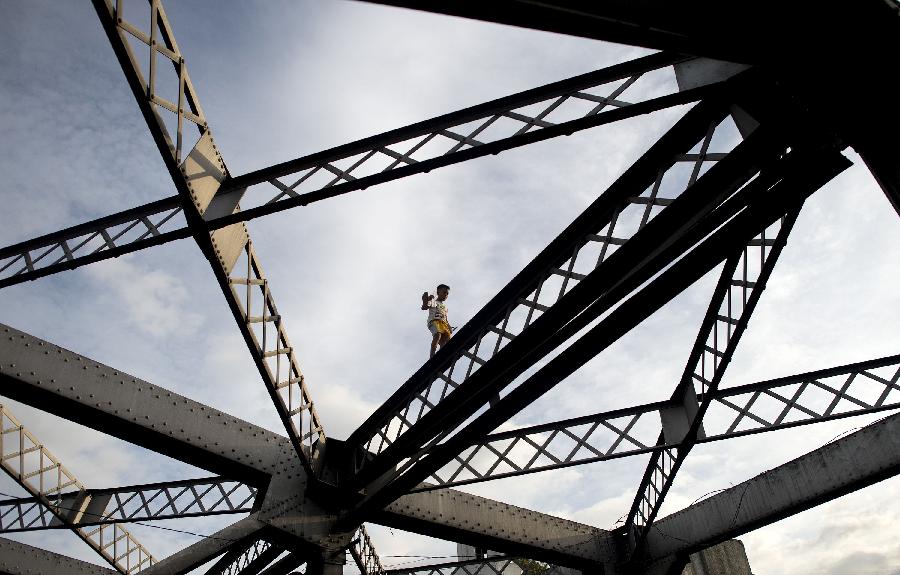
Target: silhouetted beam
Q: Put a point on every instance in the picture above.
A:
(487, 566)
(153, 224)
(187, 498)
(741, 283)
(612, 434)
(863, 458)
(21, 559)
(733, 35)
(482, 522)
(48, 377)
(364, 554)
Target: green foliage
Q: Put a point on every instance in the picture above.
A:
(531, 567)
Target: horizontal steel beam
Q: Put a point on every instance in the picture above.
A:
(802, 399)
(482, 522)
(154, 223)
(21, 559)
(858, 460)
(187, 498)
(74, 387)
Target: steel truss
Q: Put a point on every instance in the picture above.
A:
(643, 241)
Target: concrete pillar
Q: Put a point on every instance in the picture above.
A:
(728, 558)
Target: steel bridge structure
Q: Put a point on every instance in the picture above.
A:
(305, 496)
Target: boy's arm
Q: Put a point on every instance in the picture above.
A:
(426, 300)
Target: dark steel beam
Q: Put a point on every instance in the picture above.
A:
(858, 460)
(740, 285)
(784, 196)
(744, 410)
(662, 25)
(435, 383)
(482, 522)
(21, 559)
(187, 498)
(74, 387)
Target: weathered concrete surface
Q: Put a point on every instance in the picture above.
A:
(728, 558)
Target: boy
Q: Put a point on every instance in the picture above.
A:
(438, 323)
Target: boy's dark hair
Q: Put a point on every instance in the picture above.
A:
(445, 286)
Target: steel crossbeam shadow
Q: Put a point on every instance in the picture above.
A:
(154, 223)
(187, 498)
(824, 395)
(35, 469)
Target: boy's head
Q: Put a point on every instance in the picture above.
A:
(443, 291)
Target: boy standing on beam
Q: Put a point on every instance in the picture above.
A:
(438, 323)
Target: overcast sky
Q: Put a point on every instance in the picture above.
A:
(278, 80)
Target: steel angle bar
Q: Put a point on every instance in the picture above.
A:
(767, 208)
(740, 285)
(561, 108)
(559, 279)
(845, 391)
(187, 498)
(842, 466)
(135, 229)
(286, 565)
(197, 176)
(25, 459)
(364, 555)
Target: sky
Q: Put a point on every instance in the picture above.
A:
(278, 80)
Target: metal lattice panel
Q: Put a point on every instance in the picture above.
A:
(33, 467)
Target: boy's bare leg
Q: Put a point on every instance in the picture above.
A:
(444, 339)
(435, 340)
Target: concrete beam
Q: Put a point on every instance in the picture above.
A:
(21, 559)
(868, 456)
(74, 387)
(483, 522)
